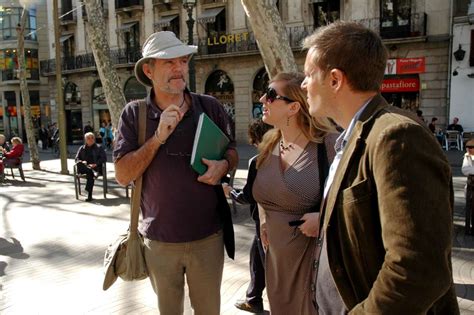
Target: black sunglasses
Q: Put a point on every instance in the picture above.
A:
(271, 95)
(470, 146)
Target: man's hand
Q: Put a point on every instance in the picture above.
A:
(92, 165)
(310, 227)
(215, 171)
(169, 119)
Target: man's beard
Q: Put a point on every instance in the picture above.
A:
(169, 88)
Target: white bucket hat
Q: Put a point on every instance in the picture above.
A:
(161, 45)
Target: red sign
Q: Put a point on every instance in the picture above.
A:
(401, 85)
(410, 65)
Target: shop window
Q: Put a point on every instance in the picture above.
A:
(325, 12)
(11, 113)
(395, 18)
(101, 114)
(9, 64)
(220, 85)
(260, 85)
(34, 109)
(134, 90)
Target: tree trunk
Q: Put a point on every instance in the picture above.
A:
(97, 35)
(271, 35)
(30, 132)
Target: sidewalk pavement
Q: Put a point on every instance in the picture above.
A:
(52, 246)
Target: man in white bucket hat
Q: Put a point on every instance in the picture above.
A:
(186, 218)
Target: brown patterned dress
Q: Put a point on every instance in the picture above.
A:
(286, 196)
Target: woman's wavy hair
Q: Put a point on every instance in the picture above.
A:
(314, 128)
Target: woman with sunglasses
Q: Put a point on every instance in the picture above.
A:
(288, 189)
(468, 170)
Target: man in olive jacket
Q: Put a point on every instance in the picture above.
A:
(386, 223)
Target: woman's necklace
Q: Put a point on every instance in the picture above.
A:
(290, 146)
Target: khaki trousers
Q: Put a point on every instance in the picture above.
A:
(201, 261)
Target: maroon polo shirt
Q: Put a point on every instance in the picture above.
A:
(175, 206)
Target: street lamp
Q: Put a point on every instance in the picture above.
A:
(189, 6)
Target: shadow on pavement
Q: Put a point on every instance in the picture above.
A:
(12, 249)
(109, 202)
(20, 183)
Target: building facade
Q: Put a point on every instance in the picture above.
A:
(228, 64)
(462, 64)
(36, 38)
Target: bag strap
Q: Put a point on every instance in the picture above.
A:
(137, 190)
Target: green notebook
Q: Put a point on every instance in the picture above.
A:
(209, 142)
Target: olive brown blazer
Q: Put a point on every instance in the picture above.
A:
(388, 218)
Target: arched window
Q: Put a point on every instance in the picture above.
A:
(220, 85)
(134, 90)
(72, 95)
(260, 84)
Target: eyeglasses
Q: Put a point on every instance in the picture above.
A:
(271, 95)
(470, 146)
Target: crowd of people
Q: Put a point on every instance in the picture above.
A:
(356, 221)
(341, 227)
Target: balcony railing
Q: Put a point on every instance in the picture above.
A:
(218, 44)
(230, 45)
(71, 63)
(415, 28)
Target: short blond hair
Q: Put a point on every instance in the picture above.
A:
(17, 140)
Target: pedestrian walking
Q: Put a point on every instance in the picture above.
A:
(44, 136)
(253, 301)
(186, 217)
(387, 220)
(292, 162)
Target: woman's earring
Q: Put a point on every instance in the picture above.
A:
(287, 121)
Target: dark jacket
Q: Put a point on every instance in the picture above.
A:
(389, 218)
(98, 156)
(245, 195)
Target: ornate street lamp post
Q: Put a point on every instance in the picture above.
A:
(189, 6)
